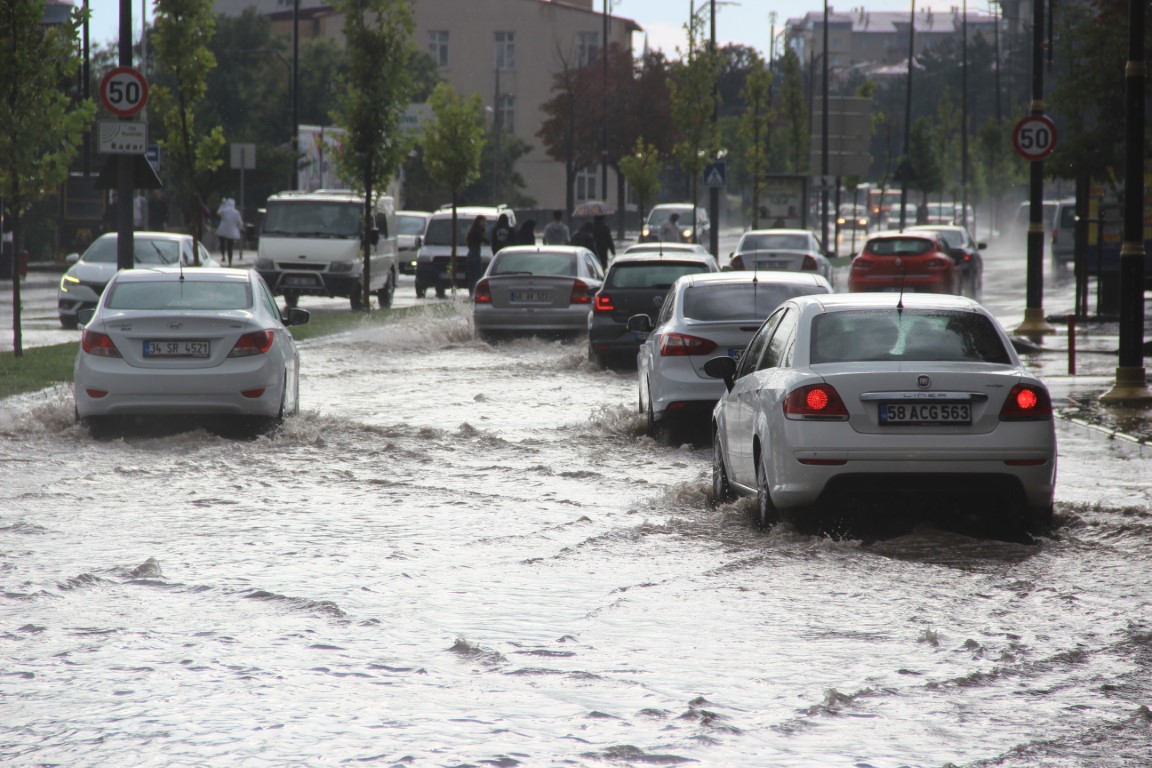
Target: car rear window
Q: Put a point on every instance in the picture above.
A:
(145, 251)
(770, 242)
(900, 246)
(534, 263)
(180, 294)
(911, 335)
(650, 275)
(742, 301)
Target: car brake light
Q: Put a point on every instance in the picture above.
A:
(809, 263)
(1027, 403)
(255, 343)
(815, 402)
(603, 303)
(580, 293)
(482, 293)
(738, 262)
(682, 345)
(98, 344)
(938, 264)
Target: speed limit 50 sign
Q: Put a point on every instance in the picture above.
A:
(124, 91)
(1034, 137)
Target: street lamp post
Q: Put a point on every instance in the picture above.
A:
(295, 94)
(907, 164)
(713, 191)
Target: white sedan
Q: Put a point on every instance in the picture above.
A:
(795, 250)
(167, 341)
(871, 402)
(704, 315)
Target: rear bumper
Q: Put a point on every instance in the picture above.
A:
(572, 320)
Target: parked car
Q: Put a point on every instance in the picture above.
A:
(410, 226)
(536, 290)
(435, 253)
(169, 341)
(82, 285)
(694, 224)
(794, 250)
(965, 252)
(873, 401)
(704, 315)
(1063, 243)
(636, 282)
(659, 246)
(905, 262)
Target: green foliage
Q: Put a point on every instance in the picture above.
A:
(927, 173)
(641, 170)
(454, 140)
(483, 191)
(794, 113)
(754, 124)
(693, 102)
(36, 368)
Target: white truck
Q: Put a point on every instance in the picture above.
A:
(312, 244)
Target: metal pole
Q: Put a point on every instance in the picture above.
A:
(824, 140)
(295, 94)
(908, 119)
(604, 118)
(125, 246)
(713, 191)
(964, 119)
(1131, 386)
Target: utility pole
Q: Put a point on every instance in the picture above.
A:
(713, 191)
(907, 169)
(125, 244)
(1131, 386)
(964, 118)
(497, 131)
(824, 140)
(295, 94)
(604, 120)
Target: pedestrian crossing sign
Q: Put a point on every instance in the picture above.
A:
(716, 175)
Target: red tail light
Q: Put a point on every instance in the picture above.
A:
(737, 262)
(808, 264)
(255, 343)
(580, 293)
(482, 293)
(682, 345)
(1027, 403)
(98, 344)
(938, 264)
(603, 303)
(816, 402)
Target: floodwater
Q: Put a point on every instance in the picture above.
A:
(465, 555)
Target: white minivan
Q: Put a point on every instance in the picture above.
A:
(312, 244)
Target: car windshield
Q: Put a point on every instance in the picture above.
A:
(534, 263)
(410, 225)
(145, 251)
(439, 231)
(782, 242)
(650, 274)
(899, 246)
(739, 301)
(910, 336)
(180, 294)
(951, 237)
(660, 215)
(313, 218)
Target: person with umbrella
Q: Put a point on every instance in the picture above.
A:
(602, 237)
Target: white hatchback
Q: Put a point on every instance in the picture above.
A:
(704, 315)
(205, 342)
(871, 402)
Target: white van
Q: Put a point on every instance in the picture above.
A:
(312, 244)
(435, 253)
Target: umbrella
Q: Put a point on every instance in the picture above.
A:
(593, 208)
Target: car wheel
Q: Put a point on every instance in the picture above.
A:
(385, 294)
(1038, 520)
(721, 489)
(595, 358)
(100, 427)
(440, 292)
(420, 291)
(766, 511)
(356, 300)
(69, 322)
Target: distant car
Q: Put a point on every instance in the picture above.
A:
(1063, 243)
(536, 290)
(879, 401)
(83, 283)
(410, 226)
(659, 246)
(965, 252)
(636, 282)
(694, 224)
(904, 262)
(702, 316)
(167, 341)
(792, 250)
(435, 253)
(853, 216)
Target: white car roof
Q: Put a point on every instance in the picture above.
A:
(741, 277)
(167, 273)
(834, 302)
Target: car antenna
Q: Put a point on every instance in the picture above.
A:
(180, 262)
(900, 301)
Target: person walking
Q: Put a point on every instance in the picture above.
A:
(557, 232)
(527, 233)
(584, 237)
(476, 238)
(669, 231)
(502, 234)
(602, 236)
(229, 228)
(157, 212)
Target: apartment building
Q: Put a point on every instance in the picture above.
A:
(505, 50)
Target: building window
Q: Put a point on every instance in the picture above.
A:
(587, 48)
(586, 188)
(504, 50)
(506, 112)
(438, 47)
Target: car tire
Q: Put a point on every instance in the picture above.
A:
(356, 300)
(595, 358)
(385, 294)
(766, 513)
(721, 488)
(420, 291)
(440, 292)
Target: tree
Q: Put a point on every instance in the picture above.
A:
(453, 143)
(40, 128)
(693, 101)
(927, 173)
(642, 169)
(754, 128)
(184, 29)
(794, 114)
(373, 96)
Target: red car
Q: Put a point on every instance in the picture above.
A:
(909, 261)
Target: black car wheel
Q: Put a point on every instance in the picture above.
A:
(385, 294)
(721, 489)
(766, 510)
(69, 322)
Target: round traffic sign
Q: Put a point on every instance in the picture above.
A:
(124, 91)
(1034, 137)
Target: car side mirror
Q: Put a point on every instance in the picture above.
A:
(373, 236)
(640, 323)
(297, 316)
(722, 368)
(419, 242)
(72, 258)
(981, 246)
(84, 316)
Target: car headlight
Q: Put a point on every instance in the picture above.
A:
(265, 264)
(687, 233)
(645, 231)
(342, 266)
(67, 281)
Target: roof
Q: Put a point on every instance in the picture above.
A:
(842, 301)
(662, 257)
(741, 277)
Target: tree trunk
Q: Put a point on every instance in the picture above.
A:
(366, 237)
(452, 259)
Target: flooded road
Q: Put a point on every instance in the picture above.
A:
(469, 555)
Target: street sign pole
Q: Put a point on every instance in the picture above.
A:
(125, 247)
